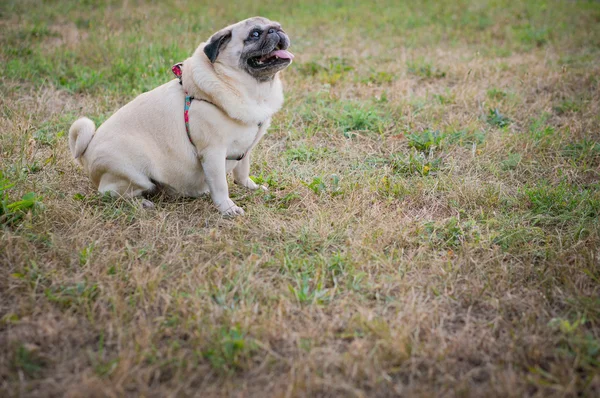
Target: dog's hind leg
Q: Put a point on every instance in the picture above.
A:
(118, 185)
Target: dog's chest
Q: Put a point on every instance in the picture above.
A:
(243, 139)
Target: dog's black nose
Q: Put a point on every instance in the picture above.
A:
(284, 41)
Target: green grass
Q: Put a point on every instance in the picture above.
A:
(424, 70)
(432, 224)
(12, 211)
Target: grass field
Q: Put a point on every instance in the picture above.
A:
(432, 226)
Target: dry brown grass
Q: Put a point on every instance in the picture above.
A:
(466, 268)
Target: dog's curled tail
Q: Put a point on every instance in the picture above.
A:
(80, 135)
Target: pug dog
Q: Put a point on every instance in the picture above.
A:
(186, 135)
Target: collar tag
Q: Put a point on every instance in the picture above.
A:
(177, 70)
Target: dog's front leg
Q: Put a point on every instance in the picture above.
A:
(213, 164)
(241, 174)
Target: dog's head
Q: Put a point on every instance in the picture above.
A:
(256, 45)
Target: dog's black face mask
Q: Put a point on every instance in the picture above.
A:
(264, 50)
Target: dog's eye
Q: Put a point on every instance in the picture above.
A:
(271, 30)
(255, 34)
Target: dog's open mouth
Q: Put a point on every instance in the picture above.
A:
(276, 57)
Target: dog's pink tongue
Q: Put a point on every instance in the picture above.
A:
(283, 54)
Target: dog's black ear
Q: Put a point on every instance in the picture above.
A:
(216, 44)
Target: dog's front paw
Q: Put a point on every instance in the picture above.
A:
(229, 209)
(251, 185)
(233, 211)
